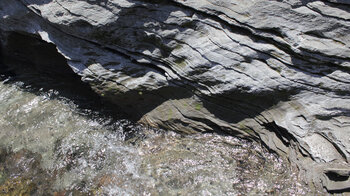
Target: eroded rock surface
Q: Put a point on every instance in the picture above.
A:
(275, 71)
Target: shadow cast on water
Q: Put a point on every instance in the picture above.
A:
(36, 67)
(40, 68)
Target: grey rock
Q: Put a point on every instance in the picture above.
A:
(336, 179)
(275, 71)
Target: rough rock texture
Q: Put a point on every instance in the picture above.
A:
(275, 71)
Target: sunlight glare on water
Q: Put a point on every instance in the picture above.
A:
(51, 146)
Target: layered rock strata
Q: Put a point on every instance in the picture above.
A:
(275, 71)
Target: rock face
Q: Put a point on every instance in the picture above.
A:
(275, 71)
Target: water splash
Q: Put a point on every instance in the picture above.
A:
(49, 145)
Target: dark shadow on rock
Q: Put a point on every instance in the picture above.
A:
(41, 69)
(37, 2)
(236, 106)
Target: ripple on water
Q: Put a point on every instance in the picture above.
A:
(49, 145)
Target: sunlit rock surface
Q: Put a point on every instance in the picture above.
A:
(275, 71)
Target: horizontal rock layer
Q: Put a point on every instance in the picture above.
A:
(275, 71)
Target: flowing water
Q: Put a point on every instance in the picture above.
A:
(58, 142)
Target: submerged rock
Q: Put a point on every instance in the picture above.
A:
(275, 71)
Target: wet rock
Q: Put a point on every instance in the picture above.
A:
(275, 71)
(21, 174)
(17, 186)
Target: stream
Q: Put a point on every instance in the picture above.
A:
(57, 140)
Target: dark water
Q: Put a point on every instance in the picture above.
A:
(55, 140)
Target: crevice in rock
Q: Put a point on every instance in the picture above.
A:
(326, 15)
(70, 12)
(334, 176)
(281, 133)
(347, 190)
(345, 5)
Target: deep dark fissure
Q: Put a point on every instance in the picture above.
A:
(336, 177)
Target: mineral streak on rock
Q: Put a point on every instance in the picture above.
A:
(275, 71)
